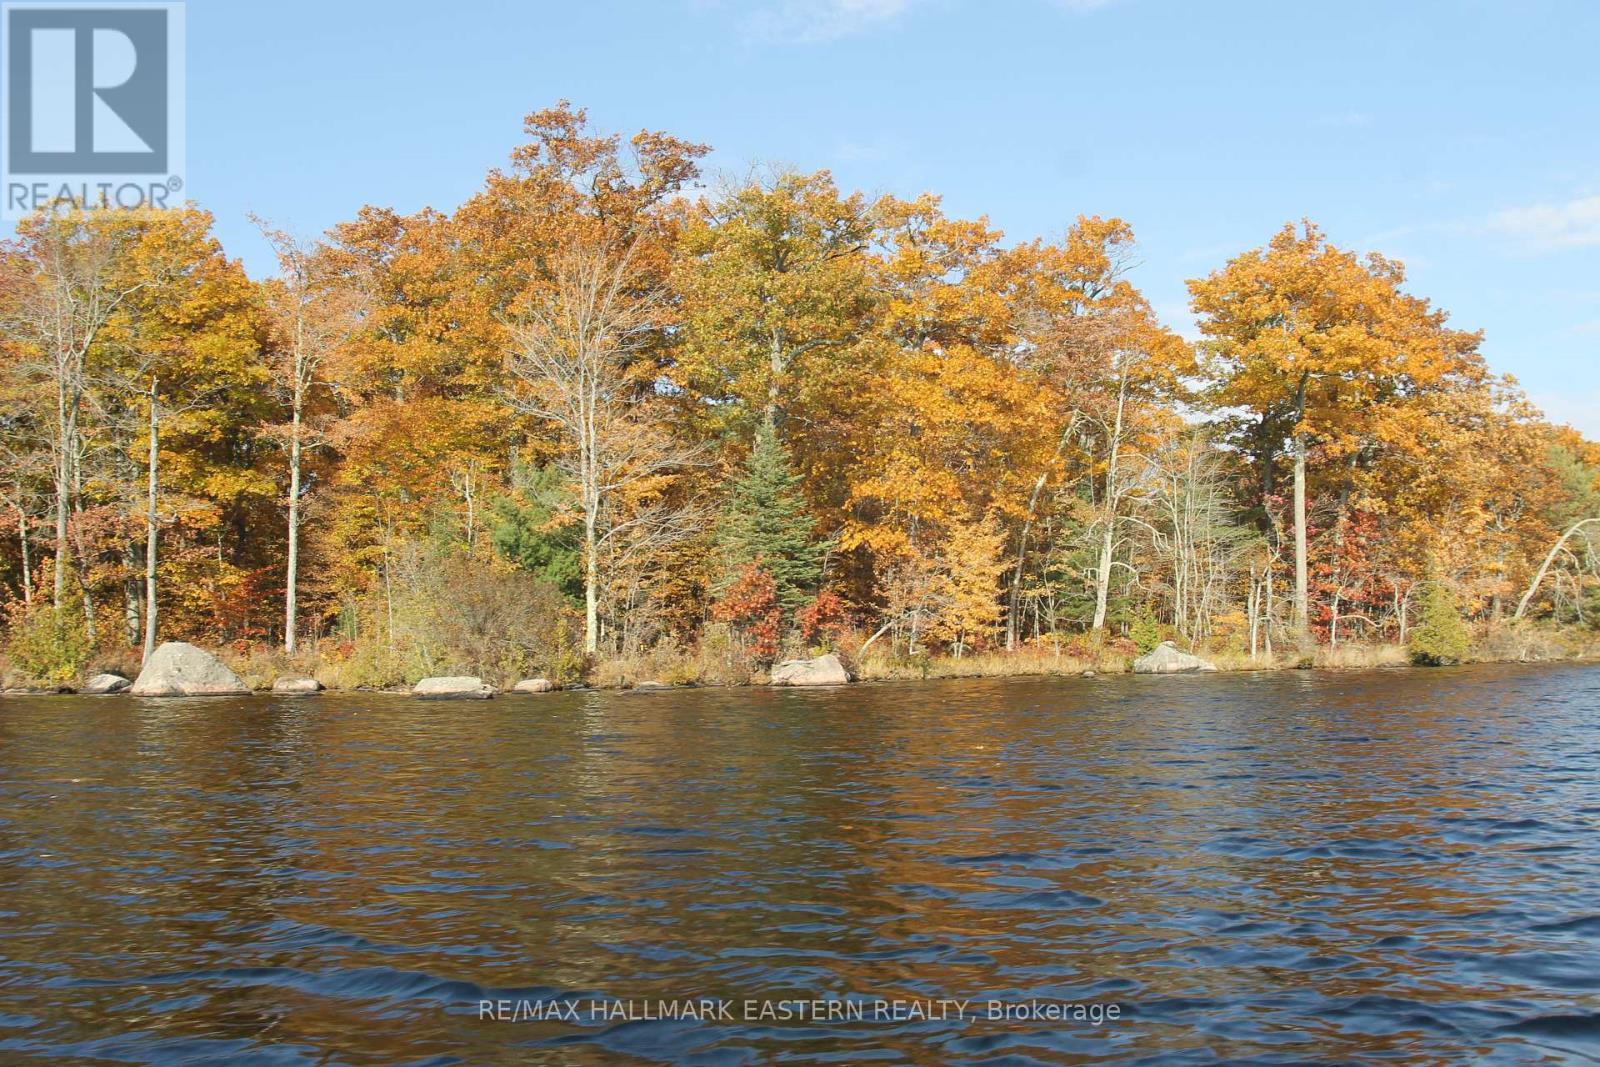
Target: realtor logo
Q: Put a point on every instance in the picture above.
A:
(93, 105)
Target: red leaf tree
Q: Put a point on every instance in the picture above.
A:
(750, 607)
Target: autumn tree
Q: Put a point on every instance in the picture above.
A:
(66, 277)
(969, 609)
(494, 412)
(187, 335)
(574, 366)
(422, 430)
(315, 312)
(568, 186)
(750, 605)
(1310, 341)
(143, 313)
(772, 276)
(25, 460)
(1185, 509)
(1103, 345)
(960, 424)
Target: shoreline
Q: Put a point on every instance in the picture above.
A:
(1348, 658)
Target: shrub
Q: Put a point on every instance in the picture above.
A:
(1145, 631)
(751, 609)
(48, 644)
(1440, 637)
(825, 621)
(451, 613)
(500, 625)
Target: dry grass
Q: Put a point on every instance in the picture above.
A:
(1034, 661)
(1229, 659)
(10, 677)
(259, 666)
(710, 663)
(1029, 661)
(713, 662)
(1357, 657)
(1527, 642)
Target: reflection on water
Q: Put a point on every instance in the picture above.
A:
(1387, 866)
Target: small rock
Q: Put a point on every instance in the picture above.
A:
(1088, 674)
(105, 683)
(645, 687)
(178, 669)
(293, 684)
(456, 688)
(824, 670)
(1166, 659)
(534, 685)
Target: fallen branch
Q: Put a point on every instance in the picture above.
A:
(1538, 578)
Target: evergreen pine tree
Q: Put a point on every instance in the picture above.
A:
(765, 518)
(1440, 637)
(526, 530)
(1145, 630)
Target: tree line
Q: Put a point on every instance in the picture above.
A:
(601, 412)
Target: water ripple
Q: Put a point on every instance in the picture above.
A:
(1384, 867)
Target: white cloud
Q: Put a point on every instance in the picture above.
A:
(811, 21)
(1551, 227)
(1346, 120)
(821, 20)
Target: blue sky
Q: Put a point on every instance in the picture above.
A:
(1460, 137)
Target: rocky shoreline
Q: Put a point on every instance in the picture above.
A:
(193, 676)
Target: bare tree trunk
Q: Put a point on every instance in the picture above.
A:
(572, 354)
(1302, 583)
(388, 585)
(1022, 555)
(317, 312)
(63, 479)
(1496, 605)
(1102, 581)
(291, 581)
(1522, 605)
(591, 587)
(91, 627)
(132, 595)
(885, 628)
(150, 528)
(27, 564)
(1022, 541)
(1267, 632)
(1253, 606)
(776, 366)
(1108, 539)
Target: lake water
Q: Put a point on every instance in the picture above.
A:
(1375, 867)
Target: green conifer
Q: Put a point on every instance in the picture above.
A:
(765, 518)
(1145, 629)
(1440, 637)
